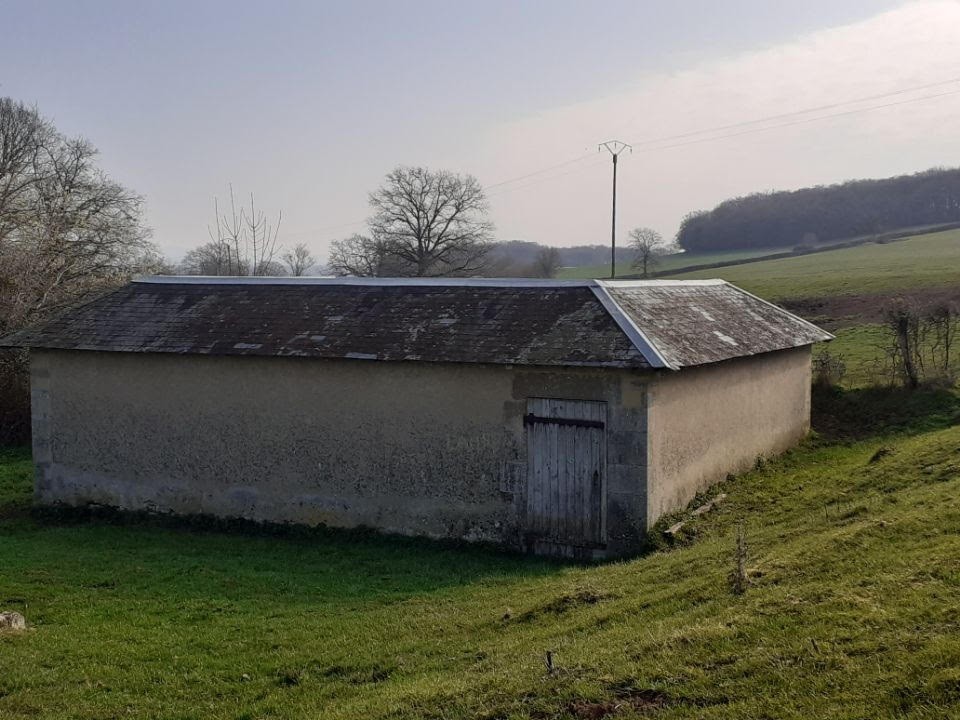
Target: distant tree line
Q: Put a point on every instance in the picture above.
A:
(823, 214)
(524, 258)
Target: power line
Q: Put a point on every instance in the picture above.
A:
(804, 111)
(575, 170)
(745, 132)
(743, 123)
(800, 122)
(538, 172)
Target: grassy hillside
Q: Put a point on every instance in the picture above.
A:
(667, 263)
(923, 261)
(853, 609)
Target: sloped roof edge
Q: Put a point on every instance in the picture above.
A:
(630, 329)
(827, 336)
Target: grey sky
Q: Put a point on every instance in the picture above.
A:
(310, 104)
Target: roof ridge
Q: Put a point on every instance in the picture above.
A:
(640, 341)
(406, 282)
(359, 281)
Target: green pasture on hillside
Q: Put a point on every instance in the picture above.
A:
(665, 264)
(853, 609)
(921, 262)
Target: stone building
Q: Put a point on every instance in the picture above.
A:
(559, 417)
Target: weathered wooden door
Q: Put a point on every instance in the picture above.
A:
(566, 468)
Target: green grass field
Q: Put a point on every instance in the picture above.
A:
(666, 264)
(921, 262)
(853, 609)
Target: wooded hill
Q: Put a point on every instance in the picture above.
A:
(825, 213)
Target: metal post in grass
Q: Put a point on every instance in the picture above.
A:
(738, 580)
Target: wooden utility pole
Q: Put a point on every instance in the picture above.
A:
(614, 147)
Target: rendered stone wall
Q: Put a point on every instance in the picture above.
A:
(414, 448)
(708, 421)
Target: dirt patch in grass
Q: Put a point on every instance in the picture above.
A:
(350, 674)
(880, 455)
(563, 603)
(625, 698)
(839, 311)
(642, 701)
(355, 675)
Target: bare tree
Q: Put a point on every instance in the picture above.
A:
(24, 135)
(919, 344)
(66, 232)
(647, 245)
(299, 260)
(547, 263)
(424, 223)
(903, 320)
(211, 258)
(66, 229)
(941, 328)
(364, 256)
(243, 241)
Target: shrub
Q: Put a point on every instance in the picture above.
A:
(828, 369)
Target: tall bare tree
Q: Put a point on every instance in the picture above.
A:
(425, 223)
(243, 241)
(299, 260)
(647, 245)
(67, 231)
